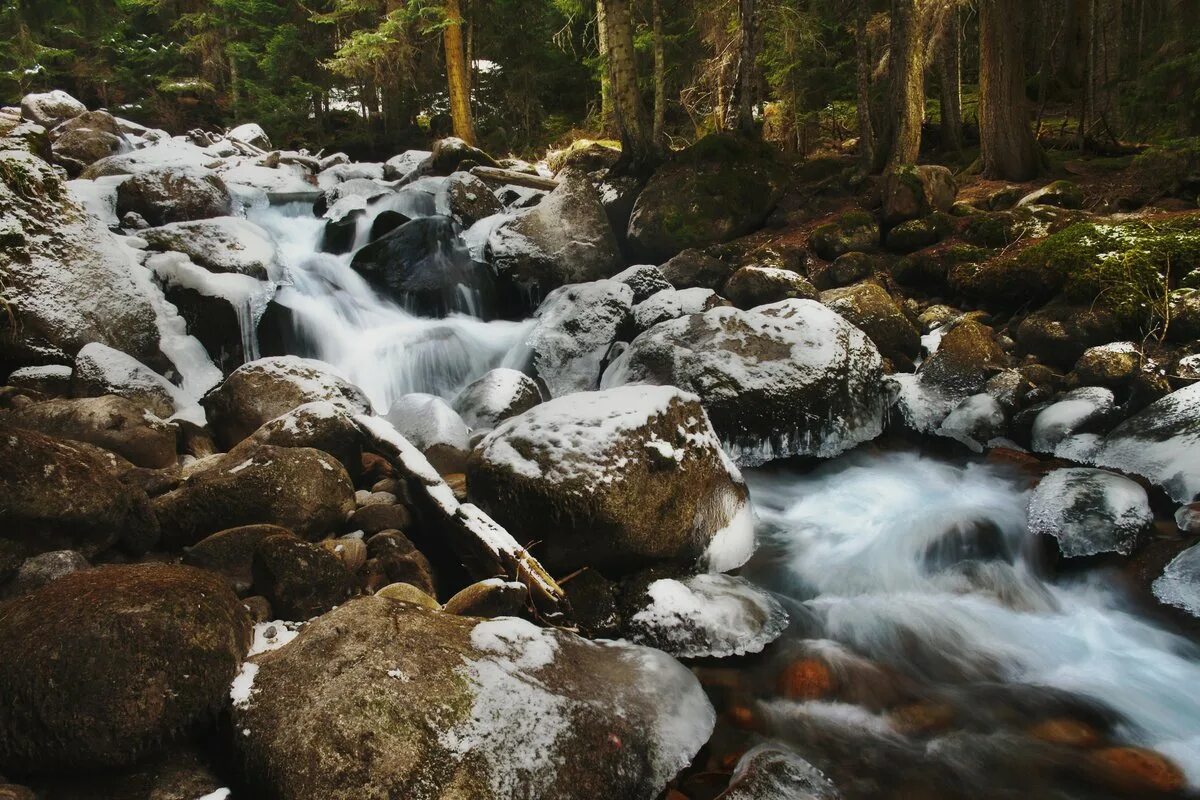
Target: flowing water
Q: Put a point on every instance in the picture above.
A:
(940, 646)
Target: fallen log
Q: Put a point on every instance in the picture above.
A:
(510, 177)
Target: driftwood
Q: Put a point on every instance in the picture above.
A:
(510, 177)
(485, 548)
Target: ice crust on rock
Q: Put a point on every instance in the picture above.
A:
(1090, 511)
(1179, 584)
(1160, 443)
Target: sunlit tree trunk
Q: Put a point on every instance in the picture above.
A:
(907, 65)
(606, 107)
(458, 75)
(1008, 149)
(639, 150)
(741, 99)
(660, 71)
(949, 68)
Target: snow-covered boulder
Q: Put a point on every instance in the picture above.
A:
(670, 304)
(792, 378)
(975, 421)
(111, 422)
(220, 244)
(84, 140)
(1160, 443)
(498, 395)
(575, 327)
(328, 178)
(706, 616)
(466, 199)
(50, 108)
(174, 194)
(645, 280)
(1090, 511)
(53, 380)
(251, 182)
(615, 480)
(754, 285)
(262, 390)
(176, 152)
(434, 428)
(64, 277)
(1179, 584)
(250, 133)
(323, 425)
(1068, 427)
(441, 706)
(404, 165)
(564, 239)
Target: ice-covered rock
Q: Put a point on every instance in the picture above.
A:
(498, 710)
(404, 165)
(434, 428)
(792, 378)
(1090, 511)
(1160, 443)
(493, 398)
(174, 194)
(1068, 427)
(220, 244)
(771, 772)
(1179, 584)
(50, 108)
(575, 327)
(615, 479)
(250, 133)
(99, 198)
(670, 304)
(975, 421)
(706, 616)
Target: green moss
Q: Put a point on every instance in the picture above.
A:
(855, 219)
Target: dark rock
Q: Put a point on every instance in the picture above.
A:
(756, 286)
(913, 192)
(230, 553)
(846, 269)
(299, 579)
(869, 307)
(111, 422)
(385, 222)
(467, 199)
(43, 568)
(174, 194)
(1059, 334)
(852, 232)
(967, 356)
(375, 519)
(323, 425)
(696, 269)
(452, 154)
(770, 772)
(401, 561)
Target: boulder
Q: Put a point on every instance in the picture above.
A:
(615, 480)
(102, 370)
(1090, 511)
(220, 244)
(673, 304)
(852, 232)
(718, 189)
(434, 428)
(440, 706)
(913, 192)
(298, 488)
(870, 308)
(753, 286)
(573, 331)
(1179, 583)
(564, 239)
(696, 269)
(1161, 443)
(402, 166)
(322, 425)
(645, 280)
(174, 194)
(846, 269)
(66, 280)
(452, 155)
(494, 597)
(1112, 365)
(1059, 334)
(466, 199)
(147, 651)
(230, 553)
(48, 109)
(52, 380)
(493, 398)
(401, 561)
(252, 134)
(57, 494)
(111, 422)
(421, 264)
(1070, 426)
(258, 392)
(793, 378)
(966, 357)
(84, 140)
(917, 234)
(41, 569)
(299, 579)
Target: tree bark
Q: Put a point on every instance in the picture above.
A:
(458, 75)
(1008, 149)
(660, 71)
(1106, 67)
(866, 133)
(949, 67)
(639, 150)
(741, 99)
(907, 66)
(606, 105)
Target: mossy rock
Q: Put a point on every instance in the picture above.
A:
(912, 192)
(1061, 332)
(852, 232)
(917, 234)
(104, 666)
(929, 268)
(1063, 194)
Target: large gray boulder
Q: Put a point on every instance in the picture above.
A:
(381, 698)
(174, 194)
(64, 278)
(574, 330)
(111, 422)
(493, 398)
(220, 244)
(616, 480)
(50, 108)
(792, 378)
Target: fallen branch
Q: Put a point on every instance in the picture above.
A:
(510, 177)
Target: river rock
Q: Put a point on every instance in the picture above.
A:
(421, 263)
(1179, 584)
(322, 425)
(111, 422)
(966, 357)
(705, 616)
(498, 395)
(67, 280)
(43, 568)
(1112, 365)
(401, 561)
(51, 108)
(258, 392)
(174, 194)
(756, 286)
(298, 488)
(574, 329)
(434, 428)
(102, 370)
(1090, 511)
(466, 199)
(230, 553)
(220, 244)
(1060, 334)
(1161, 443)
(402, 166)
(770, 772)
(716, 190)
(494, 597)
(497, 710)
(912, 192)
(870, 308)
(299, 579)
(57, 494)
(645, 280)
(673, 304)
(615, 479)
(451, 154)
(51, 380)
(565, 239)
(792, 378)
(84, 140)
(1070, 426)
(852, 232)
(695, 268)
(148, 650)
(250, 133)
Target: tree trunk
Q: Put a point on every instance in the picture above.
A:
(1106, 68)
(660, 72)
(866, 134)
(741, 99)
(458, 76)
(639, 151)
(907, 66)
(1008, 149)
(949, 66)
(606, 105)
